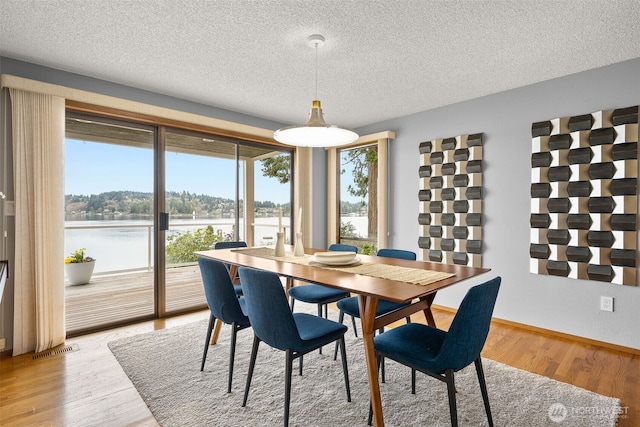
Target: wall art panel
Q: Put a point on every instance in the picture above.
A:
(450, 197)
(584, 204)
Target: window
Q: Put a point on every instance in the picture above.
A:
(357, 205)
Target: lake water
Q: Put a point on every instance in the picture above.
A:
(123, 244)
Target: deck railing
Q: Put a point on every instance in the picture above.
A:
(178, 226)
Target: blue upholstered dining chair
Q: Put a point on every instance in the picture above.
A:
(351, 306)
(232, 245)
(438, 353)
(319, 294)
(294, 333)
(223, 304)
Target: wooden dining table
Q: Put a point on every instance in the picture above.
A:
(369, 289)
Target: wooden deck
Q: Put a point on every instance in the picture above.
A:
(112, 299)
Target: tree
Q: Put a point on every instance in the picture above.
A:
(347, 229)
(365, 181)
(365, 178)
(278, 167)
(181, 246)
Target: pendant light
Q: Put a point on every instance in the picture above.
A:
(316, 132)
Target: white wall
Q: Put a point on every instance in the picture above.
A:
(565, 305)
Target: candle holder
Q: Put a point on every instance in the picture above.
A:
(298, 249)
(280, 245)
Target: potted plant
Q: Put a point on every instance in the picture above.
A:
(78, 268)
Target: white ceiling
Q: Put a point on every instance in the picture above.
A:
(382, 58)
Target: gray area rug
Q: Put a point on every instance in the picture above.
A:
(164, 366)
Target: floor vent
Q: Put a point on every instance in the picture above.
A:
(61, 350)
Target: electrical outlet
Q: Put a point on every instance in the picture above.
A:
(606, 303)
(3, 343)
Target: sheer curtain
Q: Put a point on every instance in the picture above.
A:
(38, 161)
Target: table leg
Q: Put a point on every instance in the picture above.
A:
(233, 273)
(428, 315)
(216, 331)
(368, 307)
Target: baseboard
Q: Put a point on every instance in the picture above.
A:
(551, 332)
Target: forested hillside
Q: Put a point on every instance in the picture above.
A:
(178, 204)
(138, 203)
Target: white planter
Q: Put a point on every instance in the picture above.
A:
(79, 273)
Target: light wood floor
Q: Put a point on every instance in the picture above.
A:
(87, 387)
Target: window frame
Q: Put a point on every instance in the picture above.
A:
(381, 140)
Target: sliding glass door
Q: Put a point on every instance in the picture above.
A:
(108, 217)
(141, 199)
(217, 190)
(201, 203)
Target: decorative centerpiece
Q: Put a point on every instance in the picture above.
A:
(298, 249)
(78, 268)
(279, 251)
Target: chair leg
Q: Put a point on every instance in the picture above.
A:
(320, 315)
(483, 389)
(381, 330)
(335, 350)
(301, 358)
(232, 355)
(252, 364)
(287, 385)
(353, 323)
(345, 370)
(413, 381)
(212, 321)
(451, 390)
(293, 301)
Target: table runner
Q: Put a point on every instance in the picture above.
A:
(414, 276)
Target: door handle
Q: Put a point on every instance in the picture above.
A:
(164, 221)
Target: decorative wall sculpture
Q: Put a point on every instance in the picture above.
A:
(451, 200)
(584, 180)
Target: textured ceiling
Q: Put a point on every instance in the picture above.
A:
(382, 58)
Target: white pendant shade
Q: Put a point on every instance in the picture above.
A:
(316, 132)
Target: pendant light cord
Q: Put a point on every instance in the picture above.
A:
(316, 41)
(316, 71)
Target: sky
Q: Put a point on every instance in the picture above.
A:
(93, 168)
